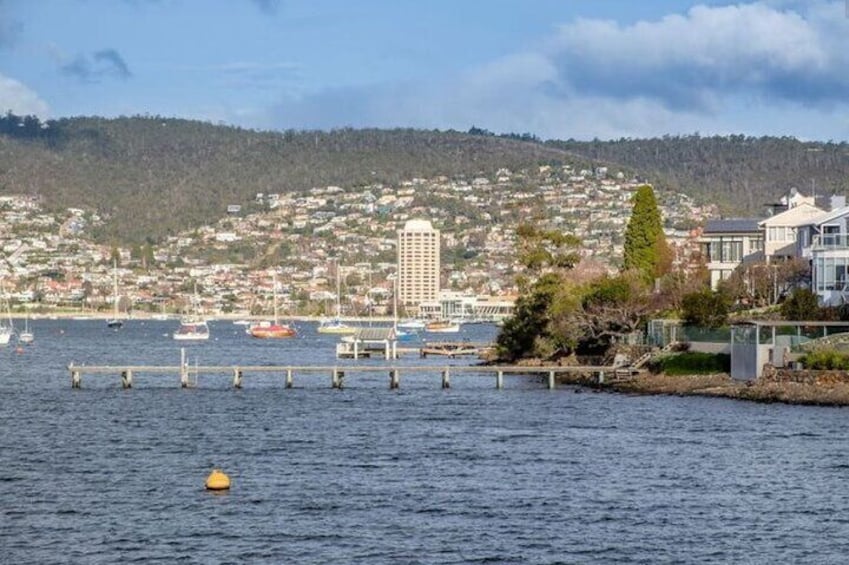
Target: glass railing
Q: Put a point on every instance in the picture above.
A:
(830, 241)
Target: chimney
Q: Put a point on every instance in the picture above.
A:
(837, 201)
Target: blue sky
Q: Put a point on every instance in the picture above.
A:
(555, 68)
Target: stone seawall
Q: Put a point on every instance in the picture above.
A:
(781, 375)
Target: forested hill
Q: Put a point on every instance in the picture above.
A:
(152, 177)
(739, 173)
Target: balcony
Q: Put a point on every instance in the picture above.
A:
(831, 241)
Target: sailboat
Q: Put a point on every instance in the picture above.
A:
(192, 326)
(26, 336)
(335, 325)
(115, 322)
(400, 334)
(6, 327)
(273, 330)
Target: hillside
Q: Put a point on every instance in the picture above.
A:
(153, 177)
(150, 177)
(739, 173)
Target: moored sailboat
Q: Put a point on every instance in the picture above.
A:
(192, 326)
(335, 325)
(274, 329)
(115, 321)
(26, 335)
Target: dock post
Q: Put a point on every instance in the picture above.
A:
(394, 379)
(289, 382)
(76, 379)
(127, 379)
(499, 380)
(336, 379)
(551, 380)
(184, 369)
(237, 377)
(446, 378)
(601, 377)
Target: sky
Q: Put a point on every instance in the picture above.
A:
(558, 69)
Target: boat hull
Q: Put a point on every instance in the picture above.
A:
(272, 332)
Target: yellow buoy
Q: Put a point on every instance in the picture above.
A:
(217, 481)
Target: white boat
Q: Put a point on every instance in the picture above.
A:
(6, 327)
(192, 327)
(335, 325)
(115, 321)
(26, 336)
(411, 324)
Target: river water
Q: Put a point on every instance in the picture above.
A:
(418, 475)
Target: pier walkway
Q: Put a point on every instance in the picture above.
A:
(187, 374)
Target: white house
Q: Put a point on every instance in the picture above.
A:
(825, 241)
(780, 231)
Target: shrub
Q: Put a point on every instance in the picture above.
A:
(802, 305)
(694, 363)
(823, 359)
(705, 308)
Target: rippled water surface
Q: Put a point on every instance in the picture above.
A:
(417, 475)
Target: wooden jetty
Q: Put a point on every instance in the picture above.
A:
(454, 348)
(337, 373)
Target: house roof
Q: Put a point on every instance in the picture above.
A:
(797, 216)
(374, 334)
(829, 216)
(732, 225)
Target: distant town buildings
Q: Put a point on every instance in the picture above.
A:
(418, 263)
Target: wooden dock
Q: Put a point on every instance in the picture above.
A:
(454, 348)
(187, 374)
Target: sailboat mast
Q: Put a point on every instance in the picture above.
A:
(338, 293)
(115, 289)
(274, 294)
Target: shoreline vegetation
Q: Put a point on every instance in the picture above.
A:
(721, 385)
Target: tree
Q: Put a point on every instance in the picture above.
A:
(612, 307)
(542, 251)
(802, 305)
(528, 333)
(705, 308)
(646, 250)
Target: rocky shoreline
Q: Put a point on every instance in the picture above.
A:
(776, 386)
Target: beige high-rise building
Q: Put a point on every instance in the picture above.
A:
(418, 263)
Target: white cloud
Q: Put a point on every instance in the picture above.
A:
(20, 99)
(722, 69)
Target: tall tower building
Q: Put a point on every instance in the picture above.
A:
(418, 263)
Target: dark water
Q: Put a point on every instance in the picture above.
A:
(419, 475)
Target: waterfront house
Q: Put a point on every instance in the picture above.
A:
(824, 240)
(727, 244)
